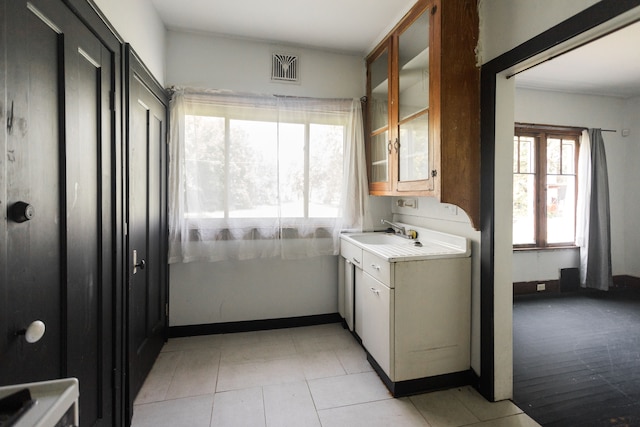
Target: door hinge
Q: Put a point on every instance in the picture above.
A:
(166, 310)
(115, 379)
(112, 100)
(434, 173)
(10, 119)
(434, 10)
(126, 229)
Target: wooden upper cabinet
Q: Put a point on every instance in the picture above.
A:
(423, 107)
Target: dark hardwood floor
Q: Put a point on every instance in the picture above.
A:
(577, 358)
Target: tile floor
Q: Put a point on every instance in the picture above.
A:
(310, 376)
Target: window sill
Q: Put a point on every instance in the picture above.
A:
(546, 248)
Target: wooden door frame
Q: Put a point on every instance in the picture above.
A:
(585, 20)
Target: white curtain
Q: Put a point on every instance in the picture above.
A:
(593, 225)
(256, 176)
(583, 202)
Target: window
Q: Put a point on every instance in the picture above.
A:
(544, 186)
(254, 176)
(252, 169)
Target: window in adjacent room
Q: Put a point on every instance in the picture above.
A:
(544, 186)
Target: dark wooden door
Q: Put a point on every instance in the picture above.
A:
(147, 289)
(33, 251)
(57, 267)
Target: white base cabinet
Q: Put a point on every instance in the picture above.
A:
(414, 316)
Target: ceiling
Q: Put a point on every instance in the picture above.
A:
(609, 66)
(352, 26)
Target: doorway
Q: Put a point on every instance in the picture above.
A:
(496, 133)
(571, 352)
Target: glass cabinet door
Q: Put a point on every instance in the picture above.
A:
(412, 143)
(379, 118)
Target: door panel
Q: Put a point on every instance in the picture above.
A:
(147, 289)
(89, 253)
(138, 228)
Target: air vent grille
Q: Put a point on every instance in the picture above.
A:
(284, 67)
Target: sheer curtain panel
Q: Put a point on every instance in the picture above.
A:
(257, 176)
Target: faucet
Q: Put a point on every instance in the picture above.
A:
(400, 230)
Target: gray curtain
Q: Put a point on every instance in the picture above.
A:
(597, 272)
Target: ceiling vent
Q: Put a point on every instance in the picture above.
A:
(284, 67)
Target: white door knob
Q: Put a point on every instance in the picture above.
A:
(34, 332)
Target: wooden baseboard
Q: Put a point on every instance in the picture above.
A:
(526, 288)
(626, 281)
(252, 325)
(553, 286)
(427, 384)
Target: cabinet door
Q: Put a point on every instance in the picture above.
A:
(359, 304)
(57, 78)
(32, 263)
(413, 145)
(379, 147)
(378, 323)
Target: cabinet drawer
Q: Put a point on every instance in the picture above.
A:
(351, 252)
(378, 268)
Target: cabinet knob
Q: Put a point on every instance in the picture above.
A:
(22, 212)
(34, 332)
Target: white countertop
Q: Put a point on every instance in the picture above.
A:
(435, 245)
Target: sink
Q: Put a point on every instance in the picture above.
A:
(379, 239)
(429, 245)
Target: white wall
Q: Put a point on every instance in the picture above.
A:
(139, 25)
(631, 218)
(556, 108)
(216, 62)
(203, 293)
(505, 24)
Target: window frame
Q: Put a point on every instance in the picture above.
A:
(316, 225)
(540, 135)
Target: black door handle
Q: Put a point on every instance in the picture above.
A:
(22, 211)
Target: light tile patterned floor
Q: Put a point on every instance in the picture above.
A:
(311, 376)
